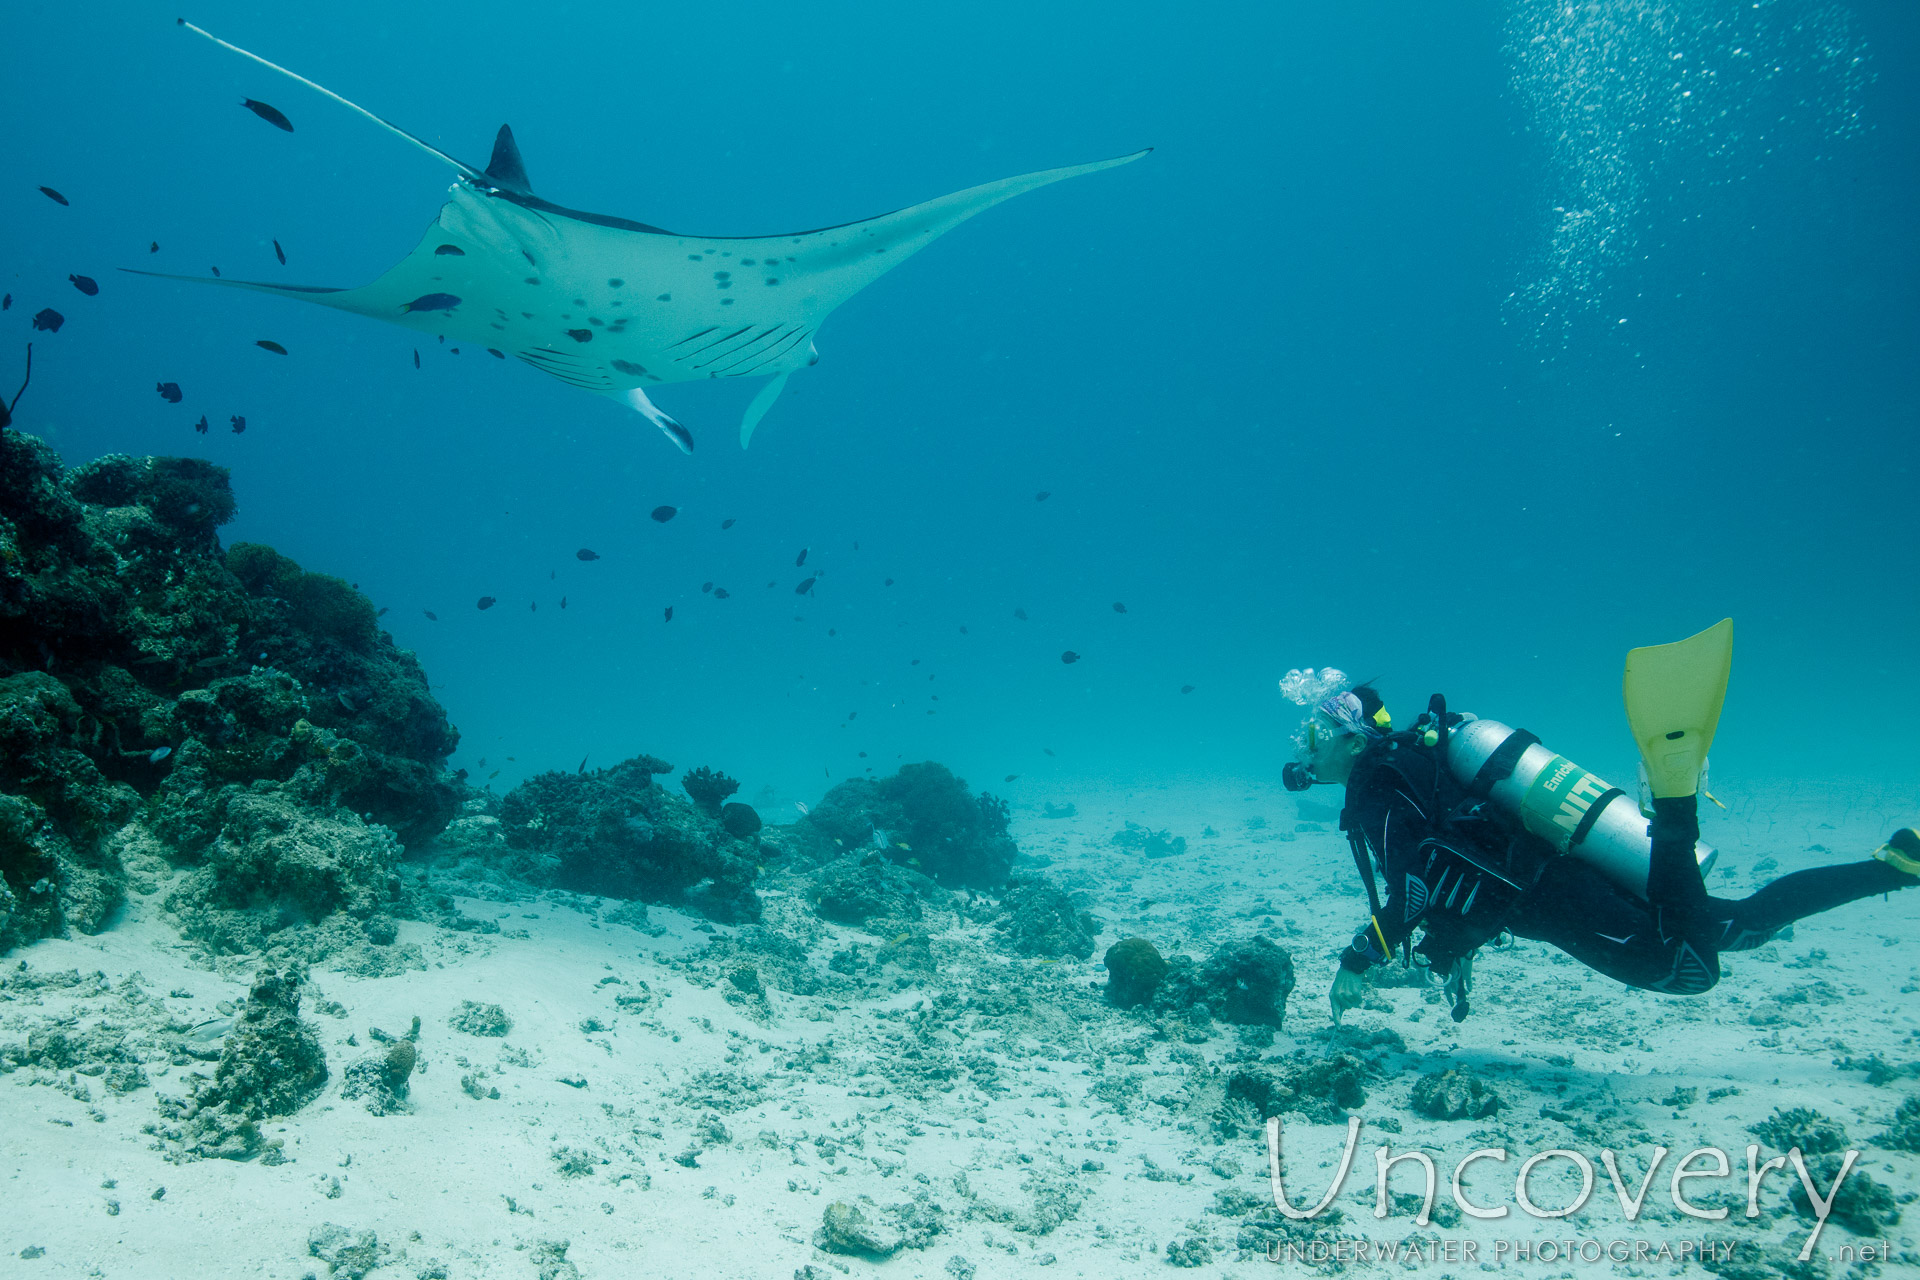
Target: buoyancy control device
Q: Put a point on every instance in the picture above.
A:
(1575, 811)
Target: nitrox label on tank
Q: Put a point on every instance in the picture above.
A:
(1558, 799)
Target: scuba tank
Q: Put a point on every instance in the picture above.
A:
(1554, 798)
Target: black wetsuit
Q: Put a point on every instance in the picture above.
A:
(1465, 875)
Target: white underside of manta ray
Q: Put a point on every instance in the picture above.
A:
(613, 306)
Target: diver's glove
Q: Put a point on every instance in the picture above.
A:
(1349, 989)
(1458, 984)
(1902, 851)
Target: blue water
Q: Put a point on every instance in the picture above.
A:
(1284, 379)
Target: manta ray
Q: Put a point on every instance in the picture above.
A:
(614, 306)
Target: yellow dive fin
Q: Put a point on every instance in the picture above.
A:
(1674, 692)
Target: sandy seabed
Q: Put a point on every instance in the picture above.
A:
(990, 1118)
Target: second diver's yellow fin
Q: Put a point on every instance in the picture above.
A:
(1674, 693)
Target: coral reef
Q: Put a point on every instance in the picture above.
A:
(271, 1065)
(708, 789)
(378, 1079)
(616, 833)
(921, 817)
(1862, 1205)
(1038, 919)
(1323, 1089)
(846, 1228)
(1801, 1127)
(147, 677)
(869, 892)
(1903, 1131)
(480, 1019)
(349, 1255)
(1243, 983)
(1455, 1094)
(1149, 843)
(1134, 969)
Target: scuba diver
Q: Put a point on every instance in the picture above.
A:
(1478, 830)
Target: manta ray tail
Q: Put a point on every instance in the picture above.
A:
(304, 292)
(466, 170)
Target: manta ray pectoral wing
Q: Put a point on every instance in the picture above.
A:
(838, 262)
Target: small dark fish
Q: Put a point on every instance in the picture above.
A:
(584, 554)
(215, 270)
(563, 602)
(580, 335)
(84, 284)
(720, 593)
(1186, 688)
(446, 250)
(268, 344)
(1118, 607)
(806, 587)
(381, 612)
(431, 615)
(154, 247)
(1042, 496)
(416, 357)
(496, 353)
(453, 351)
(583, 765)
(486, 602)
(727, 523)
(663, 514)
(53, 195)
(963, 631)
(1069, 657)
(801, 558)
(169, 391)
(201, 426)
(279, 253)
(533, 606)
(705, 587)
(239, 424)
(49, 319)
(271, 115)
(669, 617)
(1048, 750)
(6, 303)
(1010, 777)
(888, 582)
(433, 302)
(1020, 614)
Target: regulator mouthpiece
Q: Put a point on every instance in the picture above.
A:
(1296, 776)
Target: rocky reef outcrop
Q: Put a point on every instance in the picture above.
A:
(922, 817)
(618, 833)
(271, 1065)
(167, 702)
